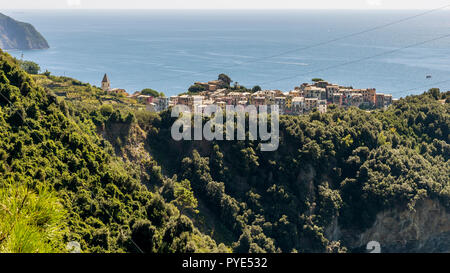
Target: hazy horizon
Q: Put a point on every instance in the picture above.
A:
(227, 4)
(219, 9)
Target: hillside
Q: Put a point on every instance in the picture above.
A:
(337, 181)
(19, 35)
(61, 182)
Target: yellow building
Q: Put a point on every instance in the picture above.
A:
(289, 102)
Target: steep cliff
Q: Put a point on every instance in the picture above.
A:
(426, 228)
(19, 35)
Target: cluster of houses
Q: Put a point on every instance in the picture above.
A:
(302, 99)
(211, 85)
(154, 104)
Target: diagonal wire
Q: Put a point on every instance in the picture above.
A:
(358, 60)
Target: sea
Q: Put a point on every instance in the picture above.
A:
(169, 50)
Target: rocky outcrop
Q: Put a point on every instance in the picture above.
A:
(424, 229)
(19, 35)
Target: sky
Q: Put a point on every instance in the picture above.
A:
(222, 4)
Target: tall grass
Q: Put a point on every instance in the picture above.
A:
(31, 221)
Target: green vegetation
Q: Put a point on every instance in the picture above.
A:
(19, 35)
(225, 79)
(30, 67)
(32, 222)
(256, 88)
(83, 95)
(151, 92)
(196, 88)
(62, 182)
(240, 88)
(344, 165)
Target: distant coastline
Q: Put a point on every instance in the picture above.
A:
(16, 35)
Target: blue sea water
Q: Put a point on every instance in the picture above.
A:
(169, 50)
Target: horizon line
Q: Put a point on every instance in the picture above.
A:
(225, 9)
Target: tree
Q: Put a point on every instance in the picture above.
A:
(225, 79)
(106, 110)
(317, 80)
(150, 92)
(249, 159)
(256, 88)
(184, 197)
(143, 235)
(30, 67)
(217, 165)
(435, 93)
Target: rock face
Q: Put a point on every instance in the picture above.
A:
(19, 35)
(425, 229)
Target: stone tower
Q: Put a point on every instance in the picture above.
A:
(105, 83)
